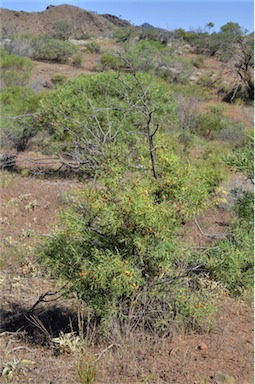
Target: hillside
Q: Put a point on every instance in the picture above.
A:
(40, 23)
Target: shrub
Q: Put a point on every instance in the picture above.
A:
(232, 132)
(118, 248)
(232, 263)
(77, 60)
(100, 111)
(23, 45)
(244, 207)
(210, 123)
(145, 54)
(15, 70)
(111, 61)
(18, 124)
(198, 62)
(209, 80)
(59, 78)
(93, 47)
(122, 34)
(64, 29)
(55, 50)
(242, 159)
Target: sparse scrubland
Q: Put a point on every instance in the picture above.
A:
(127, 202)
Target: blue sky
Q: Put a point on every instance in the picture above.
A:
(187, 14)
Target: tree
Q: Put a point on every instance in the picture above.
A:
(232, 30)
(241, 68)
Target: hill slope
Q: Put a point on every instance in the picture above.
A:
(39, 23)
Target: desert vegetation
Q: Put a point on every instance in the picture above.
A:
(151, 233)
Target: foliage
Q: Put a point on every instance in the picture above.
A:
(123, 34)
(244, 207)
(145, 54)
(68, 343)
(55, 50)
(17, 120)
(93, 47)
(16, 369)
(154, 34)
(151, 57)
(209, 123)
(111, 61)
(117, 243)
(59, 78)
(242, 159)
(187, 36)
(221, 44)
(86, 371)
(209, 80)
(77, 60)
(198, 61)
(64, 29)
(22, 45)
(232, 261)
(88, 113)
(15, 70)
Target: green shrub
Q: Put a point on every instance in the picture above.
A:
(55, 50)
(17, 120)
(210, 123)
(145, 55)
(209, 80)
(118, 248)
(198, 62)
(97, 110)
(232, 263)
(84, 36)
(242, 159)
(14, 70)
(244, 207)
(93, 47)
(64, 29)
(122, 34)
(111, 61)
(77, 60)
(59, 78)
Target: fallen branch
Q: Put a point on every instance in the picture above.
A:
(99, 355)
(212, 235)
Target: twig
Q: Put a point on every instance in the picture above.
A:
(18, 117)
(21, 347)
(99, 355)
(42, 298)
(212, 235)
(2, 334)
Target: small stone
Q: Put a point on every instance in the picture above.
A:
(220, 378)
(202, 346)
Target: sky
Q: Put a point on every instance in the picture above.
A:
(168, 14)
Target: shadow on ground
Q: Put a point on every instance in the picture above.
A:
(38, 326)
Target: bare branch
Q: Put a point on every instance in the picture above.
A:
(212, 235)
(99, 355)
(19, 116)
